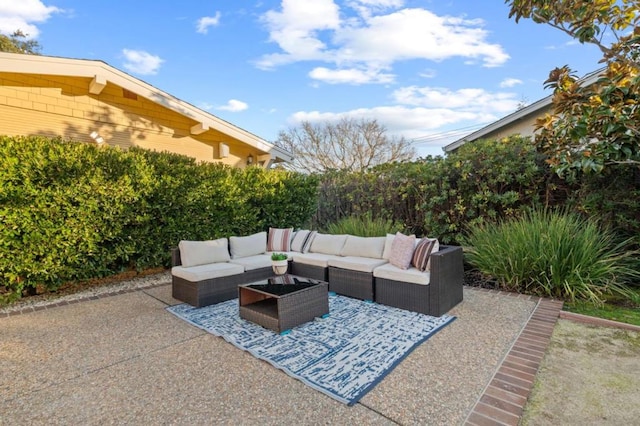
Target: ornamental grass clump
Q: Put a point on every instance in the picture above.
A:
(364, 226)
(553, 254)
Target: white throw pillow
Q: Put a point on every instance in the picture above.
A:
(328, 244)
(194, 253)
(248, 246)
(363, 247)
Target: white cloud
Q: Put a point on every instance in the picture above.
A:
(510, 82)
(141, 62)
(418, 34)
(469, 99)
(350, 76)
(400, 120)
(23, 15)
(428, 73)
(373, 41)
(294, 30)
(420, 111)
(234, 105)
(366, 8)
(207, 21)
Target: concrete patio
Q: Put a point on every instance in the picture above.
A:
(123, 359)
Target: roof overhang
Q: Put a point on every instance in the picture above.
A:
(101, 73)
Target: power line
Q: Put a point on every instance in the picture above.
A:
(445, 135)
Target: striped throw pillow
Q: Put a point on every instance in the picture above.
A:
(299, 239)
(422, 253)
(307, 243)
(279, 239)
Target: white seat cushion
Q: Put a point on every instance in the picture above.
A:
(250, 263)
(315, 259)
(411, 275)
(356, 263)
(206, 272)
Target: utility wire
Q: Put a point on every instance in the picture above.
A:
(444, 135)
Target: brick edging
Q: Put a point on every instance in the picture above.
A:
(502, 401)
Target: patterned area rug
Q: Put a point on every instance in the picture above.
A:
(344, 355)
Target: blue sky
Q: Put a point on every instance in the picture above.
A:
(427, 70)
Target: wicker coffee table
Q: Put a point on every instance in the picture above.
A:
(283, 302)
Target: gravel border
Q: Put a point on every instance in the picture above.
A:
(37, 303)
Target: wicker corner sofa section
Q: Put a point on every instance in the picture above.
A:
(443, 292)
(348, 264)
(212, 290)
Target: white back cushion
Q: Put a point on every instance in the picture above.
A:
(386, 254)
(248, 246)
(328, 244)
(194, 253)
(363, 246)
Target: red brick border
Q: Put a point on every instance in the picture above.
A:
(504, 398)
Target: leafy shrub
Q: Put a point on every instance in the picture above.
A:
(364, 226)
(484, 180)
(554, 254)
(72, 211)
(613, 196)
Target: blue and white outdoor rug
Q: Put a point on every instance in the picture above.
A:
(344, 355)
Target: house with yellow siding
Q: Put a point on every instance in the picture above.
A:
(93, 102)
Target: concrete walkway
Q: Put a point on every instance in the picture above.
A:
(123, 359)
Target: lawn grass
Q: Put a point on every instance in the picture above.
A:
(612, 310)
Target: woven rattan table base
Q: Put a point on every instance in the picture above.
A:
(282, 313)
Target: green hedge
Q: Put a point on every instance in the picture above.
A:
(441, 196)
(487, 180)
(72, 211)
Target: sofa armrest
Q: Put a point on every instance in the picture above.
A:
(175, 257)
(446, 280)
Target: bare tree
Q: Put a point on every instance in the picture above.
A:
(346, 145)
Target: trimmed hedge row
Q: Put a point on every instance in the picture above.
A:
(72, 211)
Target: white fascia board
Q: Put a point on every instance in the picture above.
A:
(51, 65)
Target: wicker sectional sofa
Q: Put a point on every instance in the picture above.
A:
(357, 267)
